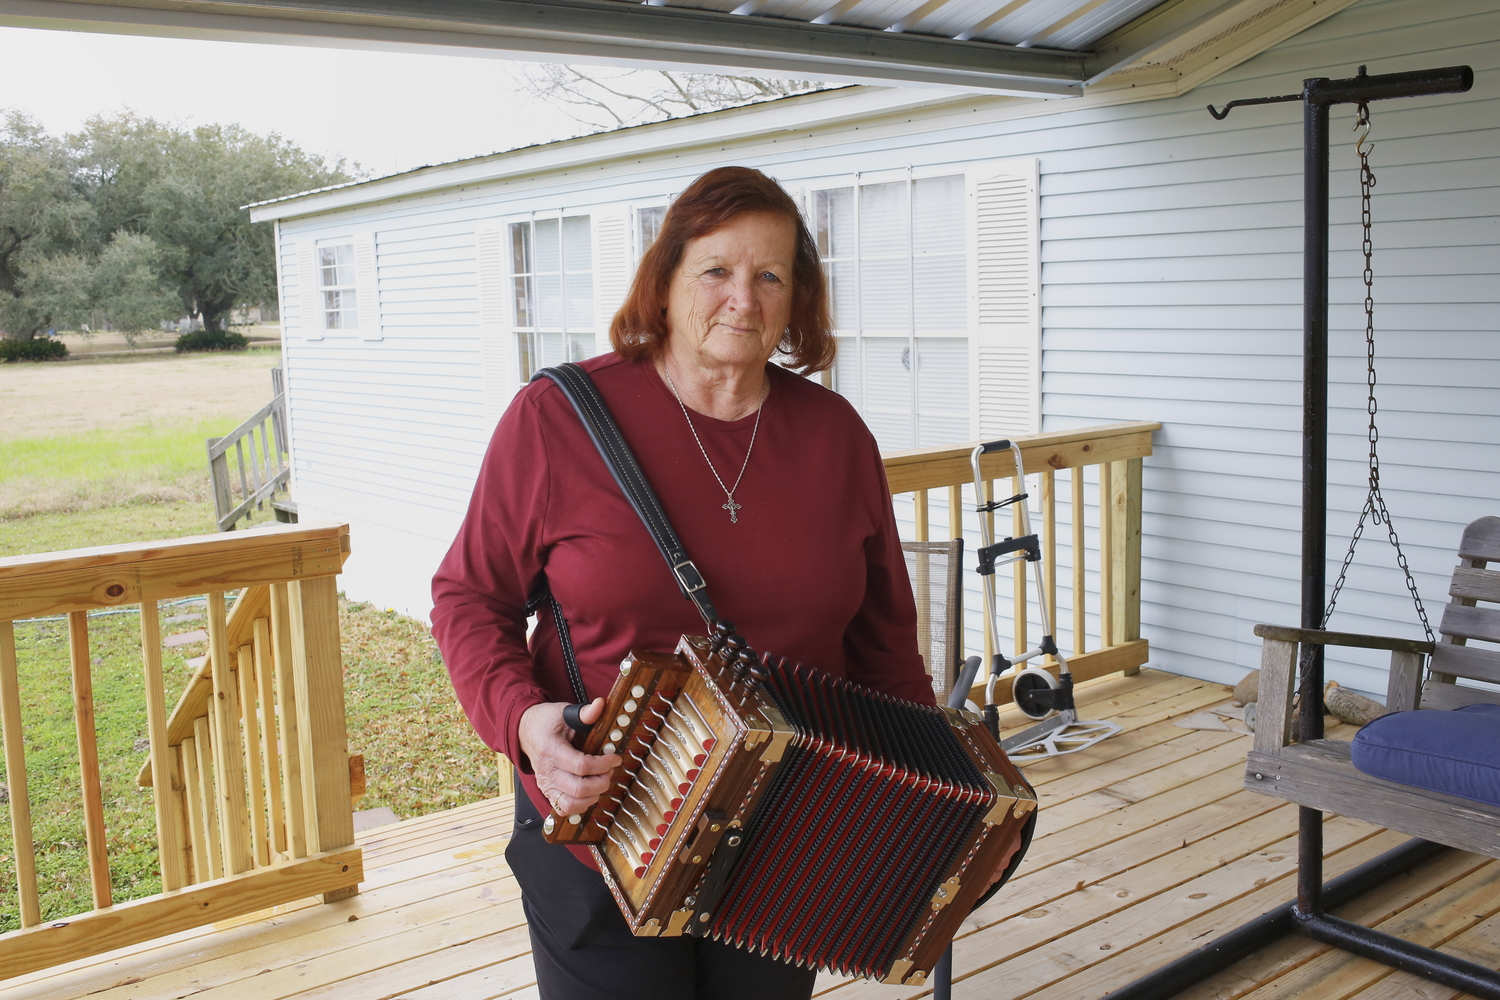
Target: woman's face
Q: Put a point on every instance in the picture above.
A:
(730, 298)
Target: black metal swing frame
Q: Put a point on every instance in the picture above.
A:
(1308, 914)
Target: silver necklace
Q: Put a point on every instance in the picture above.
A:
(729, 505)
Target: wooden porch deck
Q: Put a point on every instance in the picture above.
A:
(1147, 848)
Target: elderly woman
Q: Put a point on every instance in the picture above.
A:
(777, 491)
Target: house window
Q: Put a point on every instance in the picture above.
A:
(552, 291)
(896, 260)
(336, 281)
(648, 222)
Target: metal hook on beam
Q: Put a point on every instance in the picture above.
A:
(1221, 115)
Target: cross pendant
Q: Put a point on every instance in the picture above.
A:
(733, 508)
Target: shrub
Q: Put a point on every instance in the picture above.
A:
(36, 349)
(212, 340)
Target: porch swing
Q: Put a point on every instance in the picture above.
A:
(1404, 778)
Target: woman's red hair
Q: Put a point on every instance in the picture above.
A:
(639, 330)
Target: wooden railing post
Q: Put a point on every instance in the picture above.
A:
(234, 815)
(1049, 547)
(1125, 551)
(88, 758)
(270, 759)
(290, 716)
(249, 723)
(15, 775)
(1080, 568)
(165, 789)
(318, 670)
(1107, 565)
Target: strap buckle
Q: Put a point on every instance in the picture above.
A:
(688, 577)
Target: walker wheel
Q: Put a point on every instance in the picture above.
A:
(1031, 691)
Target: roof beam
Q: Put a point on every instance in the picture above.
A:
(1164, 28)
(616, 31)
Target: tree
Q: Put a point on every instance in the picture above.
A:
(109, 222)
(614, 98)
(42, 212)
(122, 288)
(185, 190)
(126, 289)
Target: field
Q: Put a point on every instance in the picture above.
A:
(112, 450)
(120, 440)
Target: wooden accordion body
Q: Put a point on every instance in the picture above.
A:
(805, 817)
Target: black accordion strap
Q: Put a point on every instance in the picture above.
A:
(597, 420)
(542, 596)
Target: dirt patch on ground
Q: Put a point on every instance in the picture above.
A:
(66, 397)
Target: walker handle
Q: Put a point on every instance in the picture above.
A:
(990, 446)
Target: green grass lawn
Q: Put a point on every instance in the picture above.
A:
(107, 467)
(137, 522)
(149, 480)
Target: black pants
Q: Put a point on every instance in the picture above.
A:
(583, 949)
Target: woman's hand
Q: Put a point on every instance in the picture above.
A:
(570, 779)
(999, 871)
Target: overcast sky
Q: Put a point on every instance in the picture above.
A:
(388, 111)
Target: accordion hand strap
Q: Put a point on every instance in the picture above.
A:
(618, 458)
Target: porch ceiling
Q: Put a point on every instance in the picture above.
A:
(1021, 47)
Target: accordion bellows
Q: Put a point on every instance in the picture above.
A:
(806, 817)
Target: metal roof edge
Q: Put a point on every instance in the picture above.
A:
(1227, 45)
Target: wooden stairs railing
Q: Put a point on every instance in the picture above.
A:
(250, 774)
(260, 465)
(1115, 451)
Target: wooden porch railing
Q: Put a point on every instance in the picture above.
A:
(250, 773)
(1116, 450)
(260, 463)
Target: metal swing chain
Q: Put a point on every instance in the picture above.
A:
(1374, 508)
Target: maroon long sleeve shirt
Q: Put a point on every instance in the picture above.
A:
(813, 570)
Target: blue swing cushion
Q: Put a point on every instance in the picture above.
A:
(1456, 753)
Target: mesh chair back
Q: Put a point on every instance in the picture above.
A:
(935, 568)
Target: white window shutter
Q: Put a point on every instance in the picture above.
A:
(367, 287)
(612, 268)
(310, 320)
(1005, 263)
(497, 357)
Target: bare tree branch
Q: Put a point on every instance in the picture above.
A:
(613, 98)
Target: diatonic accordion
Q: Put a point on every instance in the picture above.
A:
(795, 814)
